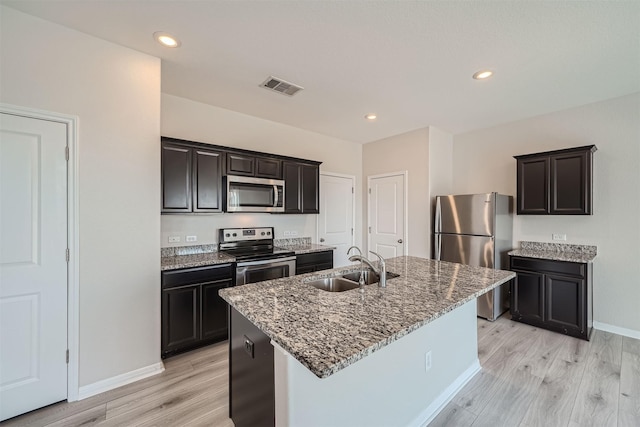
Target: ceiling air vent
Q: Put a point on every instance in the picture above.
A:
(281, 86)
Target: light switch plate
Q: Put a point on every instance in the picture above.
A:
(562, 237)
(174, 239)
(192, 238)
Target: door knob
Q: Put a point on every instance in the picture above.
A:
(321, 239)
(399, 240)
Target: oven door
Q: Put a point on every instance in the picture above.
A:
(266, 269)
(245, 194)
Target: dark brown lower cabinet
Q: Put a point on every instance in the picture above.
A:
(315, 261)
(554, 295)
(251, 374)
(193, 314)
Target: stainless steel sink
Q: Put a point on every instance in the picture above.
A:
(334, 284)
(370, 277)
(348, 281)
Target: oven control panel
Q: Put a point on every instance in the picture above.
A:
(245, 234)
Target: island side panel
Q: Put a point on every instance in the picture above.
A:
(251, 373)
(388, 387)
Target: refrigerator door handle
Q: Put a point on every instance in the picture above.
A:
(437, 227)
(438, 246)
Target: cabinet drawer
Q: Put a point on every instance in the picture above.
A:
(540, 265)
(188, 276)
(314, 258)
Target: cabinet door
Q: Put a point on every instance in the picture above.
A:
(565, 301)
(180, 318)
(570, 184)
(310, 184)
(268, 168)
(292, 174)
(176, 178)
(214, 310)
(207, 181)
(533, 185)
(527, 296)
(238, 164)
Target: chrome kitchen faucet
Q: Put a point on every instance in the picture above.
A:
(381, 272)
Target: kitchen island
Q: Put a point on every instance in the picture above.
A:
(378, 356)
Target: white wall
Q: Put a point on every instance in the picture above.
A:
(483, 162)
(408, 151)
(194, 121)
(440, 170)
(115, 92)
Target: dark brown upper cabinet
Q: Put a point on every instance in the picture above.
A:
(260, 167)
(176, 178)
(556, 182)
(191, 178)
(207, 180)
(301, 187)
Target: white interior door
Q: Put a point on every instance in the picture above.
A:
(387, 208)
(336, 220)
(33, 267)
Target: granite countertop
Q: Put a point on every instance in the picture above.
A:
(174, 262)
(328, 331)
(556, 252)
(306, 248)
(203, 255)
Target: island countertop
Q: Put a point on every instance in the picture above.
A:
(328, 331)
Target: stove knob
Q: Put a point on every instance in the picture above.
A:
(227, 235)
(234, 234)
(263, 233)
(268, 233)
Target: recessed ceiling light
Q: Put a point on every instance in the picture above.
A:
(371, 116)
(482, 74)
(166, 39)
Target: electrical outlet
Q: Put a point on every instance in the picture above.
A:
(287, 234)
(294, 233)
(427, 361)
(174, 239)
(562, 237)
(192, 238)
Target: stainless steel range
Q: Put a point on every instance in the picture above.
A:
(256, 256)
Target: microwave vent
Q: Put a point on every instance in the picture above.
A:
(281, 86)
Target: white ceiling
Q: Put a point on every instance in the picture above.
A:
(408, 61)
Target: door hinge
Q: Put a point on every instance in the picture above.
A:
(352, 191)
(369, 191)
(67, 356)
(369, 230)
(352, 231)
(67, 256)
(66, 153)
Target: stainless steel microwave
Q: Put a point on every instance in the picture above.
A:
(247, 194)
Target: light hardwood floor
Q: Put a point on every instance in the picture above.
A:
(529, 377)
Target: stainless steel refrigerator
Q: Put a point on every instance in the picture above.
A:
(476, 229)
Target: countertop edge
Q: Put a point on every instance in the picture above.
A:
(581, 258)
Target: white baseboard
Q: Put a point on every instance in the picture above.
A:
(119, 380)
(617, 330)
(431, 411)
